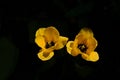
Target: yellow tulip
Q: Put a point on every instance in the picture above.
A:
(49, 39)
(84, 44)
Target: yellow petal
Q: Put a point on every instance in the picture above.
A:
(91, 44)
(74, 51)
(84, 56)
(61, 42)
(40, 32)
(84, 34)
(40, 41)
(92, 57)
(68, 45)
(45, 56)
(51, 34)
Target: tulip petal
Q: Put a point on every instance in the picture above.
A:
(92, 57)
(91, 44)
(45, 56)
(74, 51)
(84, 34)
(61, 42)
(68, 45)
(40, 41)
(51, 34)
(40, 32)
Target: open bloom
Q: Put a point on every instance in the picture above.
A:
(49, 39)
(84, 44)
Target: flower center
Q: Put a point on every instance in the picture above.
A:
(49, 44)
(82, 47)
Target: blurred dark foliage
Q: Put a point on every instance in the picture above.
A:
(19, 22)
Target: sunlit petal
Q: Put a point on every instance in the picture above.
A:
(39, 40)
(92, 44)
(74, 51)
(85, 56)
(61, 42)
(84, 34)
(68, 45)
(45, 56)
(92, 57)
(51, 34)
(40, 32)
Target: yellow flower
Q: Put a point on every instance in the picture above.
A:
(49, 39)
(84, 44)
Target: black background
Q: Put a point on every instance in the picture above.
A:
(19, 23)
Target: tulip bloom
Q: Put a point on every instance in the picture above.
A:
(49, 39)
(84, 44)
